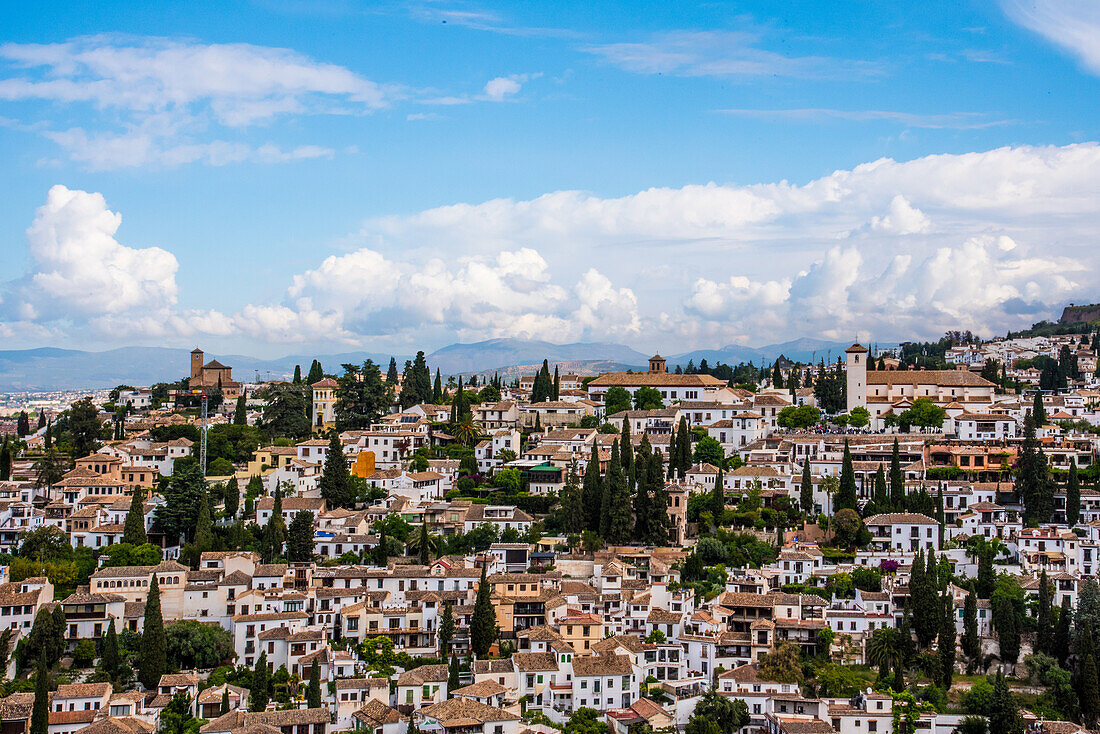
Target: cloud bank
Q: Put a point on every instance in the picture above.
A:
(987, 241)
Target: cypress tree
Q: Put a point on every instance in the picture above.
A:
(232, 497)
(1004, 714)
(313, 696)
(483, 621)
(454, 681)
(446, 628)
(572, 502)
(40, 710)
(133, 532)
(846, 493)
(1088, 688)
(23, 424)
(986, 577)
(642, 512)
(240, 413)
(153, 658)
(391, 372)
(626, 452)
(335, 482)
(882, 494)
(660, 524)
(717, 503)
(971, 642)
(946, 642)
(897, 480)
(260, 693)
(1038, 410)
(941, 517)
(109, 661)
(1032, 482)
(592, 491)
(297, 374)
(672, 453)
(806, 491)
(1073, 495)
(606, 491)
(316, 373)
(380, 552)
(204, 531)
(5, 460)
(1044, 623)
(683, 441)
(225, 701)
(437, 389)
(619, 521)
(1062, 633)
(557, 384)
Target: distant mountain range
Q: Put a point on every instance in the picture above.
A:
(51, 368)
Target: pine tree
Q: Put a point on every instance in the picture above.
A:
(971, 642)
(845, 498)
(897, 481)
(483, 621)
(240, 413)
(313, 695)
(133, 532)
(592, 491)
(1073, 495)
(260, 693)
(153, 657)
(335, 482)
(40, 709)
(446, 628)
(572, 502)
(806, 491)
(1004, 714)
(109, 660)
(232, 497)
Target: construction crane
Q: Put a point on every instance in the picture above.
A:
(201, 391)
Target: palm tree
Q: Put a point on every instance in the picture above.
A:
(467, 430)
(435, 543)
(885, 651)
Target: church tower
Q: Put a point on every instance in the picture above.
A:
(857, 376)
(196, 364)
(656, 365)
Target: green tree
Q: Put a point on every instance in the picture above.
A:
(782, 664)
(84, 427)
(728, 714)
(592, 491)
(1007, 605)
(572, 502)
(454, 680)
(483, 621)
(585, 720)
(1038, 410)
(260, 693)
(616, 523)
(801, 416)
(1062, 633)
(153, 656)
(40, 710)
(1004, 715)
(897, 480)
(717, 503)
(924, 413)
(1087, 684)
(1032, 480)
(709, 451)
(133, 531)
(846, 498)
(1044, 617)
(191, 644)
(232, 495)
(204, 529)
(240, 412)
(648, 398)
(177, 517)
(1073, 495)
(806, 490)
(335, 481)
(971, 642)
(299, 538)
(446, 628)
(22, 424)
(316, 373)
(286, 414)
(946, 643)
(110, 661)
(361, 396)
(616, 400)
(313, 695)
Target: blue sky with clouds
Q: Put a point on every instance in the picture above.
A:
(277, 176)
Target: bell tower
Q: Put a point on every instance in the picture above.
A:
(196, 363)
(856, 369)
(656, 364)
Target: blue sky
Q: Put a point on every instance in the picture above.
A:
(319, 175)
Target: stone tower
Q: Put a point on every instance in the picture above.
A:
(196, 363)
(656, 364)
(857, 376)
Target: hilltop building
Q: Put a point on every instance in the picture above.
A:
(213, 374)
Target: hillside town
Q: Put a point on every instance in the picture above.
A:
(904, 539)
